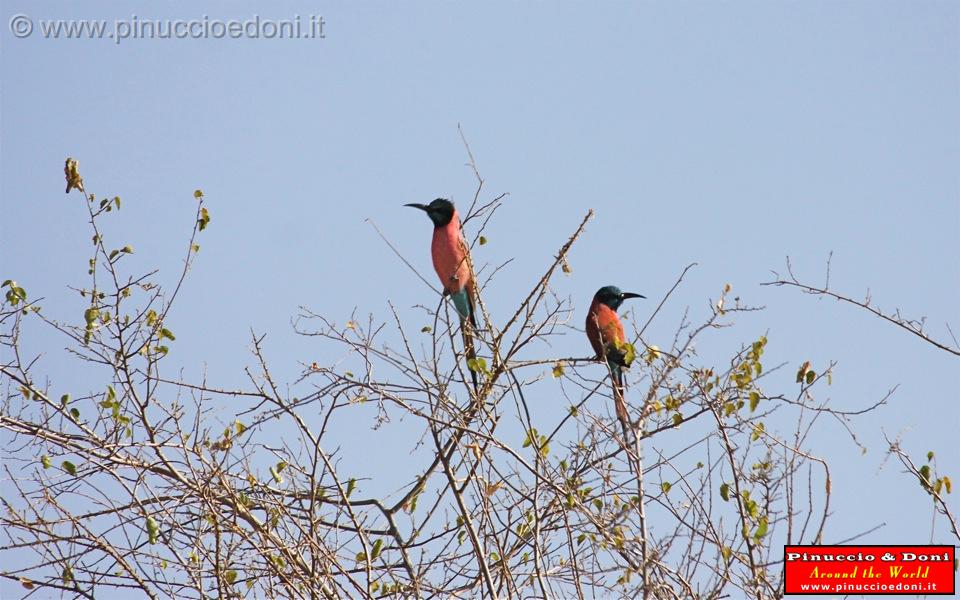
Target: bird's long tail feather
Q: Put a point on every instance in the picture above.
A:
(619, 402)
(468, 332)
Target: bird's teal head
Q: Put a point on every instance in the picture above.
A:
(613, 297)
(440, 211)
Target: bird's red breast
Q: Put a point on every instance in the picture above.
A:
(603, 327)
(449, 252)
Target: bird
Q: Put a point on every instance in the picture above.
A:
(452, 263)
(605, 332)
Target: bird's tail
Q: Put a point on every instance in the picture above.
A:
(466, 308)
(619, 401)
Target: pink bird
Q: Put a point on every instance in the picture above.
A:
(605, 332)
(452, 264)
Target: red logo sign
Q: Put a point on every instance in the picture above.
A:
(869, 570)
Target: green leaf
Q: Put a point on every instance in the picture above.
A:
(725, 492)
(111, 393)
(276, 475)
(483, 240)
(377, 547)
(45, 461)
(166, 333)
(665, 486)
(197, 194)
(69, 467)
(153, 529)
(727, 552)
(204, 219)
(426, 329)
(116, 200)
(127, 249)
(529, 439)
(351, 485)
(754, 400)
(811, 375)
(629, 352)
(15, 294)
(925, 473)
(761, 529)
(75, 413)
(230, 576)
(477, 365)
(929, 456)
(91, 315)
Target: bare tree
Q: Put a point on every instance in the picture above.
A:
(139, 484)
(935, 484)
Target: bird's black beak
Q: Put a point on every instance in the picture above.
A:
(422, 207)
(628, 295)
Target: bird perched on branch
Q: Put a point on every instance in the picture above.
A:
(451, 260)
(605, 332)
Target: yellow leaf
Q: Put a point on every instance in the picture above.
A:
(558, 369)
(476, 450)
(802, 372)
(653, 353)
(492, 488)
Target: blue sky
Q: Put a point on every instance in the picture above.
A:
(727, 134)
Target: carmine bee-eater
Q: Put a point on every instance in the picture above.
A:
(452, 263)
(605, 332)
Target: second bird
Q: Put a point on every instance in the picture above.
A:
(605, 332)
(451, 262)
